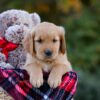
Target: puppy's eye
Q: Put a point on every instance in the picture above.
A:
(55, 40)
(39, 41)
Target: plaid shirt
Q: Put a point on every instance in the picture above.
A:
(16, 83)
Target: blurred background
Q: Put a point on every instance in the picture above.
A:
(81, 19)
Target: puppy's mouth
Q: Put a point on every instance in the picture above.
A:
(46, 59)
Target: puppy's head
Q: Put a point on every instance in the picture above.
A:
(46, 41)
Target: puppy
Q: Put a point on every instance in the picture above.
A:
(46, 51)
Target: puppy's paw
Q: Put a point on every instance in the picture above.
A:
(36, 80)
(54, 81)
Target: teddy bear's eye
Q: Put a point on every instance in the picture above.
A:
(26, 24)
(17, 23)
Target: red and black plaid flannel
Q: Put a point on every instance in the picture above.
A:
(16, 83)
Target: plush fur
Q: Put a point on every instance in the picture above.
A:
(14, 24)
(46, 36)
(17, 17)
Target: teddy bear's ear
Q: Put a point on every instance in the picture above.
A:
(36, 18)
(2, 28)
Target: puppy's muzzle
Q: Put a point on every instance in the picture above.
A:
(48, 53)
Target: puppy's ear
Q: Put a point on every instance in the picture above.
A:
(28, 43)
(62, 40)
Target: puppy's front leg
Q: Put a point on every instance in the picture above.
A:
(36, 75)
(56, 74)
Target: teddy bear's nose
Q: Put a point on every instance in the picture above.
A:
(48, 53)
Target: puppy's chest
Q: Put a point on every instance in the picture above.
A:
(47, 67)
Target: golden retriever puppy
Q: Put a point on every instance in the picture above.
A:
(46, 51)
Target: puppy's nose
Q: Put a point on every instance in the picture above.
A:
(48, 53)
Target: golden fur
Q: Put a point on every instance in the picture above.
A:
(43, 37)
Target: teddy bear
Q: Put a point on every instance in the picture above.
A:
(14, 24)
(17, 17)
(3, 63)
